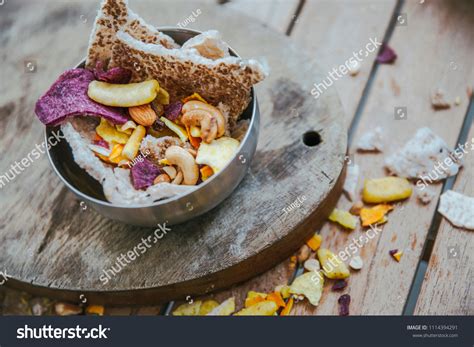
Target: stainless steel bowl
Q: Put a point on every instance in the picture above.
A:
(173, 210)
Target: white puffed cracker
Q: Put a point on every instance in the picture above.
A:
(458, 209)
(350, 184)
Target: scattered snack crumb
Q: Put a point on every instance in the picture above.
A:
(425, 195)
(264, 308)
(438, 100)
(95, 310)
(374, 214)
(333, 267)
(303, 253)
(469, 92)
(314, 242)
(254, 298)
(354, 67)
(356, 207)
(458, 209)
(386, 189)
(188, 309)
(286, 311)
(276, 298)
(309, 284)
(65, 309)
(421, 155)
(350, 184)
(339, 285)
(457, 101)
(356, 263)
(226, 308)
(207, 306)
(386, 55)
(344, 302)
(312, 265)
(344, 218)
(371, 141)
(396, 254)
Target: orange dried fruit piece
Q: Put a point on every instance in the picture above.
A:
(264, 308)
(254, 298)
(344, 218)
(286, 311)
(374, 214)
(315, 242)
(206, 172)
(276, 298)
(194, 96)
(396, 254)
(95, 309)
(386, 189)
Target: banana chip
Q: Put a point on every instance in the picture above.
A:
(218, 153)
(224, 309)
(264, 308)
(333, 267)
(310, 285)
(344, 218)
(207, 306)
(110, 134)
(188, 309)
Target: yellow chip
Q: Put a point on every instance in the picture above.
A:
(286, 311)
(133, 144)
(123, 95)
(375, 214)
(207, 306)
(344, 218)
(386, 189)
(309, 284)
(315, 242)
(163, 97)
(110, 134)
(218, 153)
(332, 266)
(254, 298)
(188, 309)
(177, 129)
(264, 308)
(95, 309)
(226, 308)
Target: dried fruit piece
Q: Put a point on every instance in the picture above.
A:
(314, 242)
(116, 75)
(226, 308)
(438, 100)
(218, 153)
(123, 95)
(396, 254)
(374, 214)
(67, 97)
(133, 144)
(458, 209)
(173, 111)
(177, 129)
(254, 298)
(312, 265)
(344, 218)
(333, 267)
(289, 305)
(143, 114)
(143, 174)
(309, 284)
(386, 55)
(264, 308)
(356, 263)
(207, 306)
(206, 172)
(339, 285)
(65, 309)
(344, 302)
(355, 209)
(95, 310)
(386, 189)
(109, 133)
(303, 254)
(186, 309)
(284, 290)
(276, 298)
(163, 97)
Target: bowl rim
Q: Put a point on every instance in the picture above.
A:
(164, 201)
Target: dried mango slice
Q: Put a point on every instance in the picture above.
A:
(286, 311)
(207, 306)
(315, 242)
(386, 189)
(310, 285)
(123, 95)
(116, 154)
(188, 309)
(375, 214)
(133, 144)
(109, 133)
(95, 309)
(195, 141)
(177, 129)
(194, 96)
(276, 298)
(206, 172)
(254, 298)
(333, 267)
(344, 218)
(226, 308)
(264, 308)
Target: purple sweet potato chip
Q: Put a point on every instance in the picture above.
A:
(173, 110)
(386, 55)
(116, 75)
(102, 143)
(143, 173)
(67, 97)
(344, 301)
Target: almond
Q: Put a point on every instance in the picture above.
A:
(143, 115)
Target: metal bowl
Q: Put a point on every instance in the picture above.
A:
(173, 210)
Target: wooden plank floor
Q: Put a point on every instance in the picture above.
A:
(435, 48)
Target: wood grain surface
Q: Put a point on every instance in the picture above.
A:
(71, 247)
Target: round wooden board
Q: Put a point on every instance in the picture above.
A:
(53, 245)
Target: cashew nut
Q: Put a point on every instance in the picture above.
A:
(178, 179)
(213, 111)
(185, 161)
(203, 119)
(162, 178)
(170, 171)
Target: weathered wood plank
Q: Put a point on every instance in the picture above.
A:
(447, 286)
(276, 14)
(382, 286)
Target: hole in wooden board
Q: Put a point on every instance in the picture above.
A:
(311, 138)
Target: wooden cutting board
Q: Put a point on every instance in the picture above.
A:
(55, 245)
